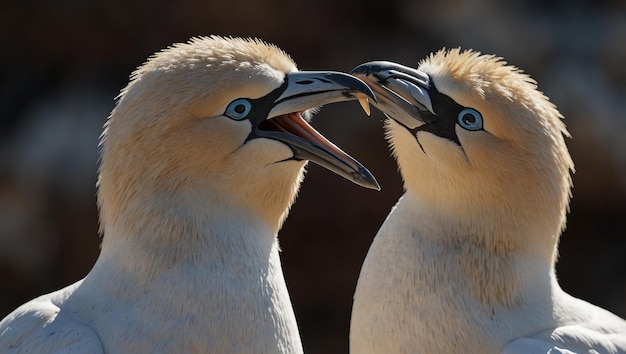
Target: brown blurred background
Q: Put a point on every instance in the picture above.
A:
(63, 62)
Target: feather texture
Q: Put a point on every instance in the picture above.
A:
(465, 260)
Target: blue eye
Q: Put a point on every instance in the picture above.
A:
(470, 119)
(238, 109)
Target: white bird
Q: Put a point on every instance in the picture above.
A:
(464, 263)
(201, 159)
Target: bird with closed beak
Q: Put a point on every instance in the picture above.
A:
(201, 160)
(464, 263)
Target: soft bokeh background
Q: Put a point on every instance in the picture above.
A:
(63, 62)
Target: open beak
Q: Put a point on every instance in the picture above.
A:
(402, 92)
(304, 90)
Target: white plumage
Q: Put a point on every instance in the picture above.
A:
(201, 159)
(464, 263)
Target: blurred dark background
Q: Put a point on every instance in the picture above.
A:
(63, 62)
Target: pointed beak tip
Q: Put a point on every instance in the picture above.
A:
(366, 179)
(369, 184)
(364, 89)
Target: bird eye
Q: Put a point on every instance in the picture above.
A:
(238, 109)
(470, 119)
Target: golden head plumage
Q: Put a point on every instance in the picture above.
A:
(516, 162)
(171, 132)
(487, 81)
(205, 69)
(158, 132)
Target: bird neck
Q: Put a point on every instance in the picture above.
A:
(498, 219)
(160, 230)
(212, 273)
(493, 253)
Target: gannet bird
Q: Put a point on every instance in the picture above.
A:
(464, 263)
(201, 159)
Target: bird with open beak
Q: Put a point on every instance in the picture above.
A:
(202, 158)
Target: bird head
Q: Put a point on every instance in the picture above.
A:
(474, 138)
(224, 118)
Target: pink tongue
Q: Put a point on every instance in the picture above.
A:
(293, 124)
